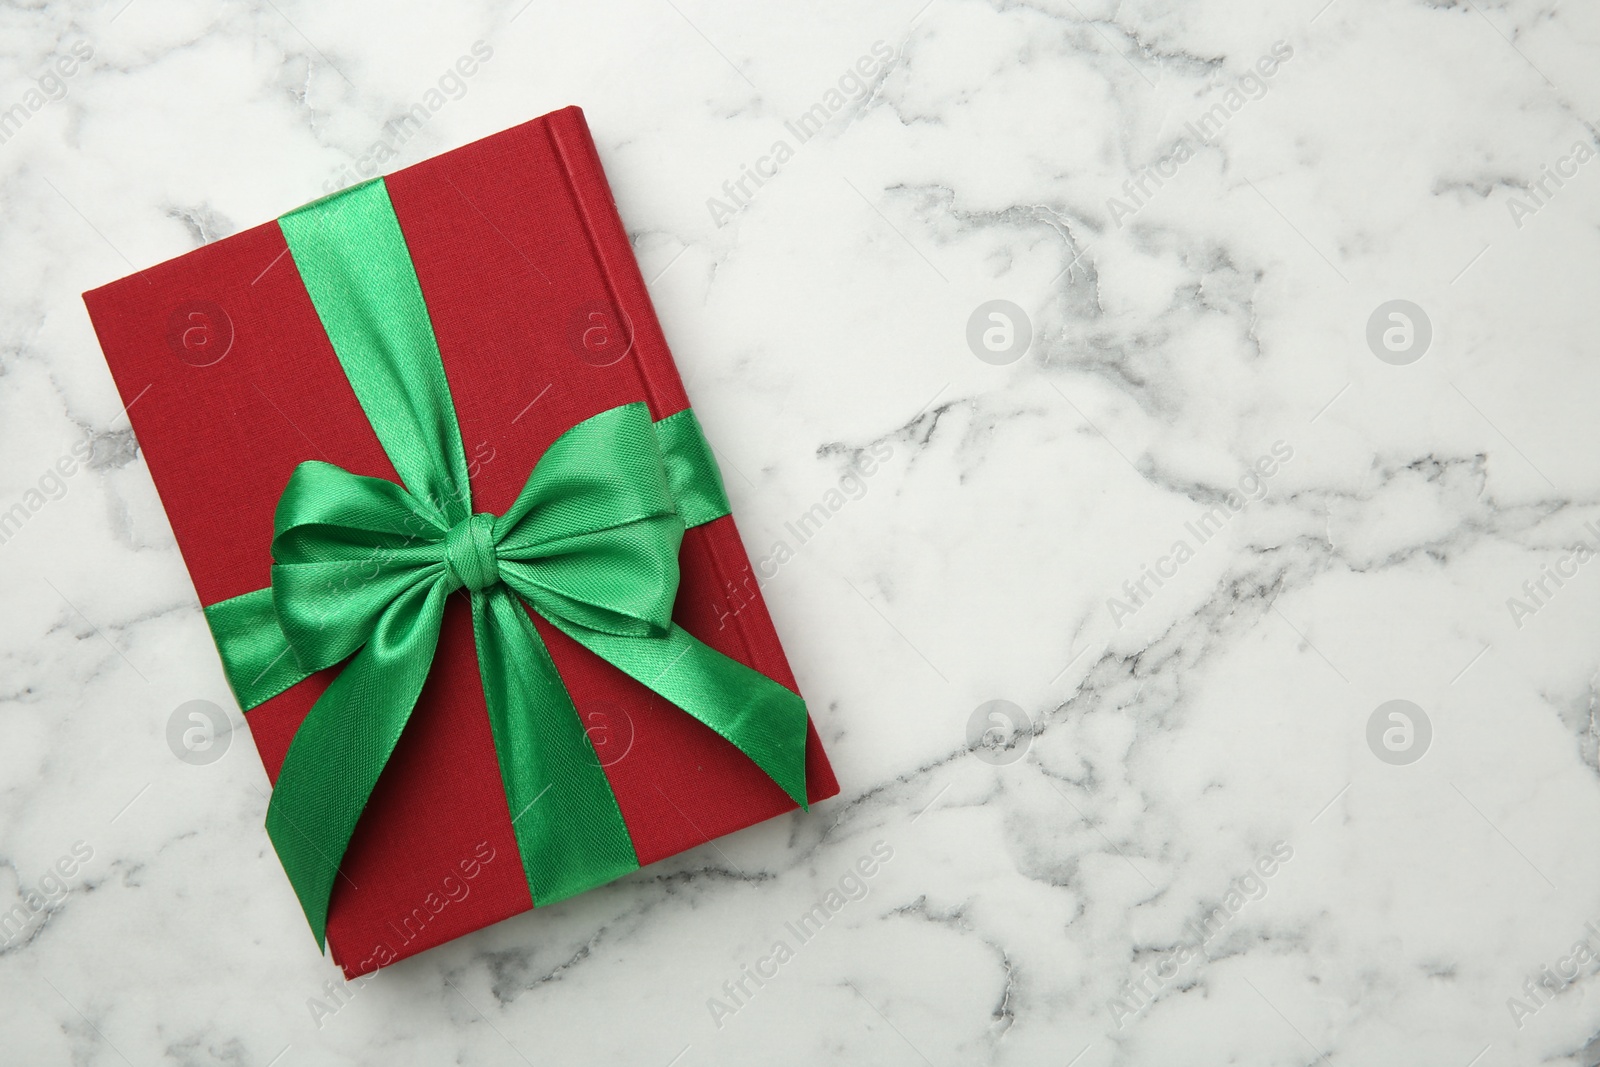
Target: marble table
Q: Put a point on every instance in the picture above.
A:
(1210, 660)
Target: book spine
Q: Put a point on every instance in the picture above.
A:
(591, 193)
(574, 149)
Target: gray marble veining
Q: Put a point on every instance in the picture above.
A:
(1209, 656)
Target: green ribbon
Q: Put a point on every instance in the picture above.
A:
(362, 568)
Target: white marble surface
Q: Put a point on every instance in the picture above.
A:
(1176, 339)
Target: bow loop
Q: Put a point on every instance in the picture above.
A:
(604, 472)
(345, 548)
(593, 537)
(619, 581)
(327, 513)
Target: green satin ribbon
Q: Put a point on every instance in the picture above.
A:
(363, 566)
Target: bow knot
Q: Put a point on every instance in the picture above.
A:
(469, 552)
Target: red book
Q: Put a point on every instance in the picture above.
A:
(542, 320)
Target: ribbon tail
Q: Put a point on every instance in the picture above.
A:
(761, 718)
(344, 744)
(569, 830)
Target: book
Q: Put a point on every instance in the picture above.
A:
(542, 320)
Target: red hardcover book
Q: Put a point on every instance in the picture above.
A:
(542, 320)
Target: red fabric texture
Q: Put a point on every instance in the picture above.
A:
(543, 320)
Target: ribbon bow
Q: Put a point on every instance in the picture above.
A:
(363, 567)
